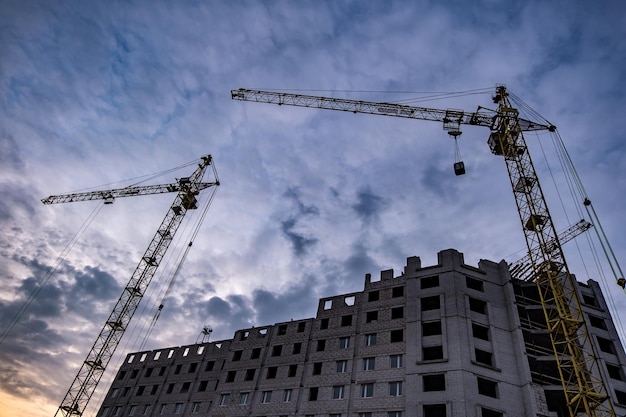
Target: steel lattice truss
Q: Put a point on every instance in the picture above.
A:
(109, 195)
(577, 364)
(484, 117)
(522, 268)
(101, 352)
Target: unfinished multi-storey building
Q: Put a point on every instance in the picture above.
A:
(447, 340)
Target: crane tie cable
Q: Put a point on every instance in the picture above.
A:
(53, 268)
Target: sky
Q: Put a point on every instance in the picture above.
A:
(94, 93)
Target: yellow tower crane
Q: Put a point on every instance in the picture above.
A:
(583, 386)
(93, 367)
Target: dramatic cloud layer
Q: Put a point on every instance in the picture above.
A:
(98, 92)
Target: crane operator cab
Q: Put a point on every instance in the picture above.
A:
(452, 125)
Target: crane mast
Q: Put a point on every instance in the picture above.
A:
(578, 366)
(93, 367)
(581, 379)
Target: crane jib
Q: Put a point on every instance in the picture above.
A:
(486, 118)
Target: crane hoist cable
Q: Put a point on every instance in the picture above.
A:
(139, 330)
(174, 276)
(576, 189)
(585, 211)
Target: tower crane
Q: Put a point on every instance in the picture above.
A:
(581, 379)
(93, 367)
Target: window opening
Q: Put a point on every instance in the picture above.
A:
(342, 366)
(317, 368)
(371, 316)
(397, 292)
(397, 335)
(338, 392)
(431, 328)
(344, 342)
(478, 306)
(287, 395)
(395, 361)
(321, 345)
(432, 353)
(430, 303)
(367, 390)
(434, 410)
(436, 382)
(395, 389)
(256, 353)
(429, 282)
(480, 332)
(474, 284)
(230, 376)
(483, 357)
(487, 387)
(369, 364)
(397, 313)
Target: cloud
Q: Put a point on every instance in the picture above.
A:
(299, 242)
(10, 153)
(310, 200)
(368, 205)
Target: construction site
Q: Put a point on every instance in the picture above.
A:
(434, 341)
(498, 339)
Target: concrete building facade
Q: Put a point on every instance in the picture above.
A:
(446, 340)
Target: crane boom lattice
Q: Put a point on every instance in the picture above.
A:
(522, 268)
(101, 352)
(584, 389)
(109, 195)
